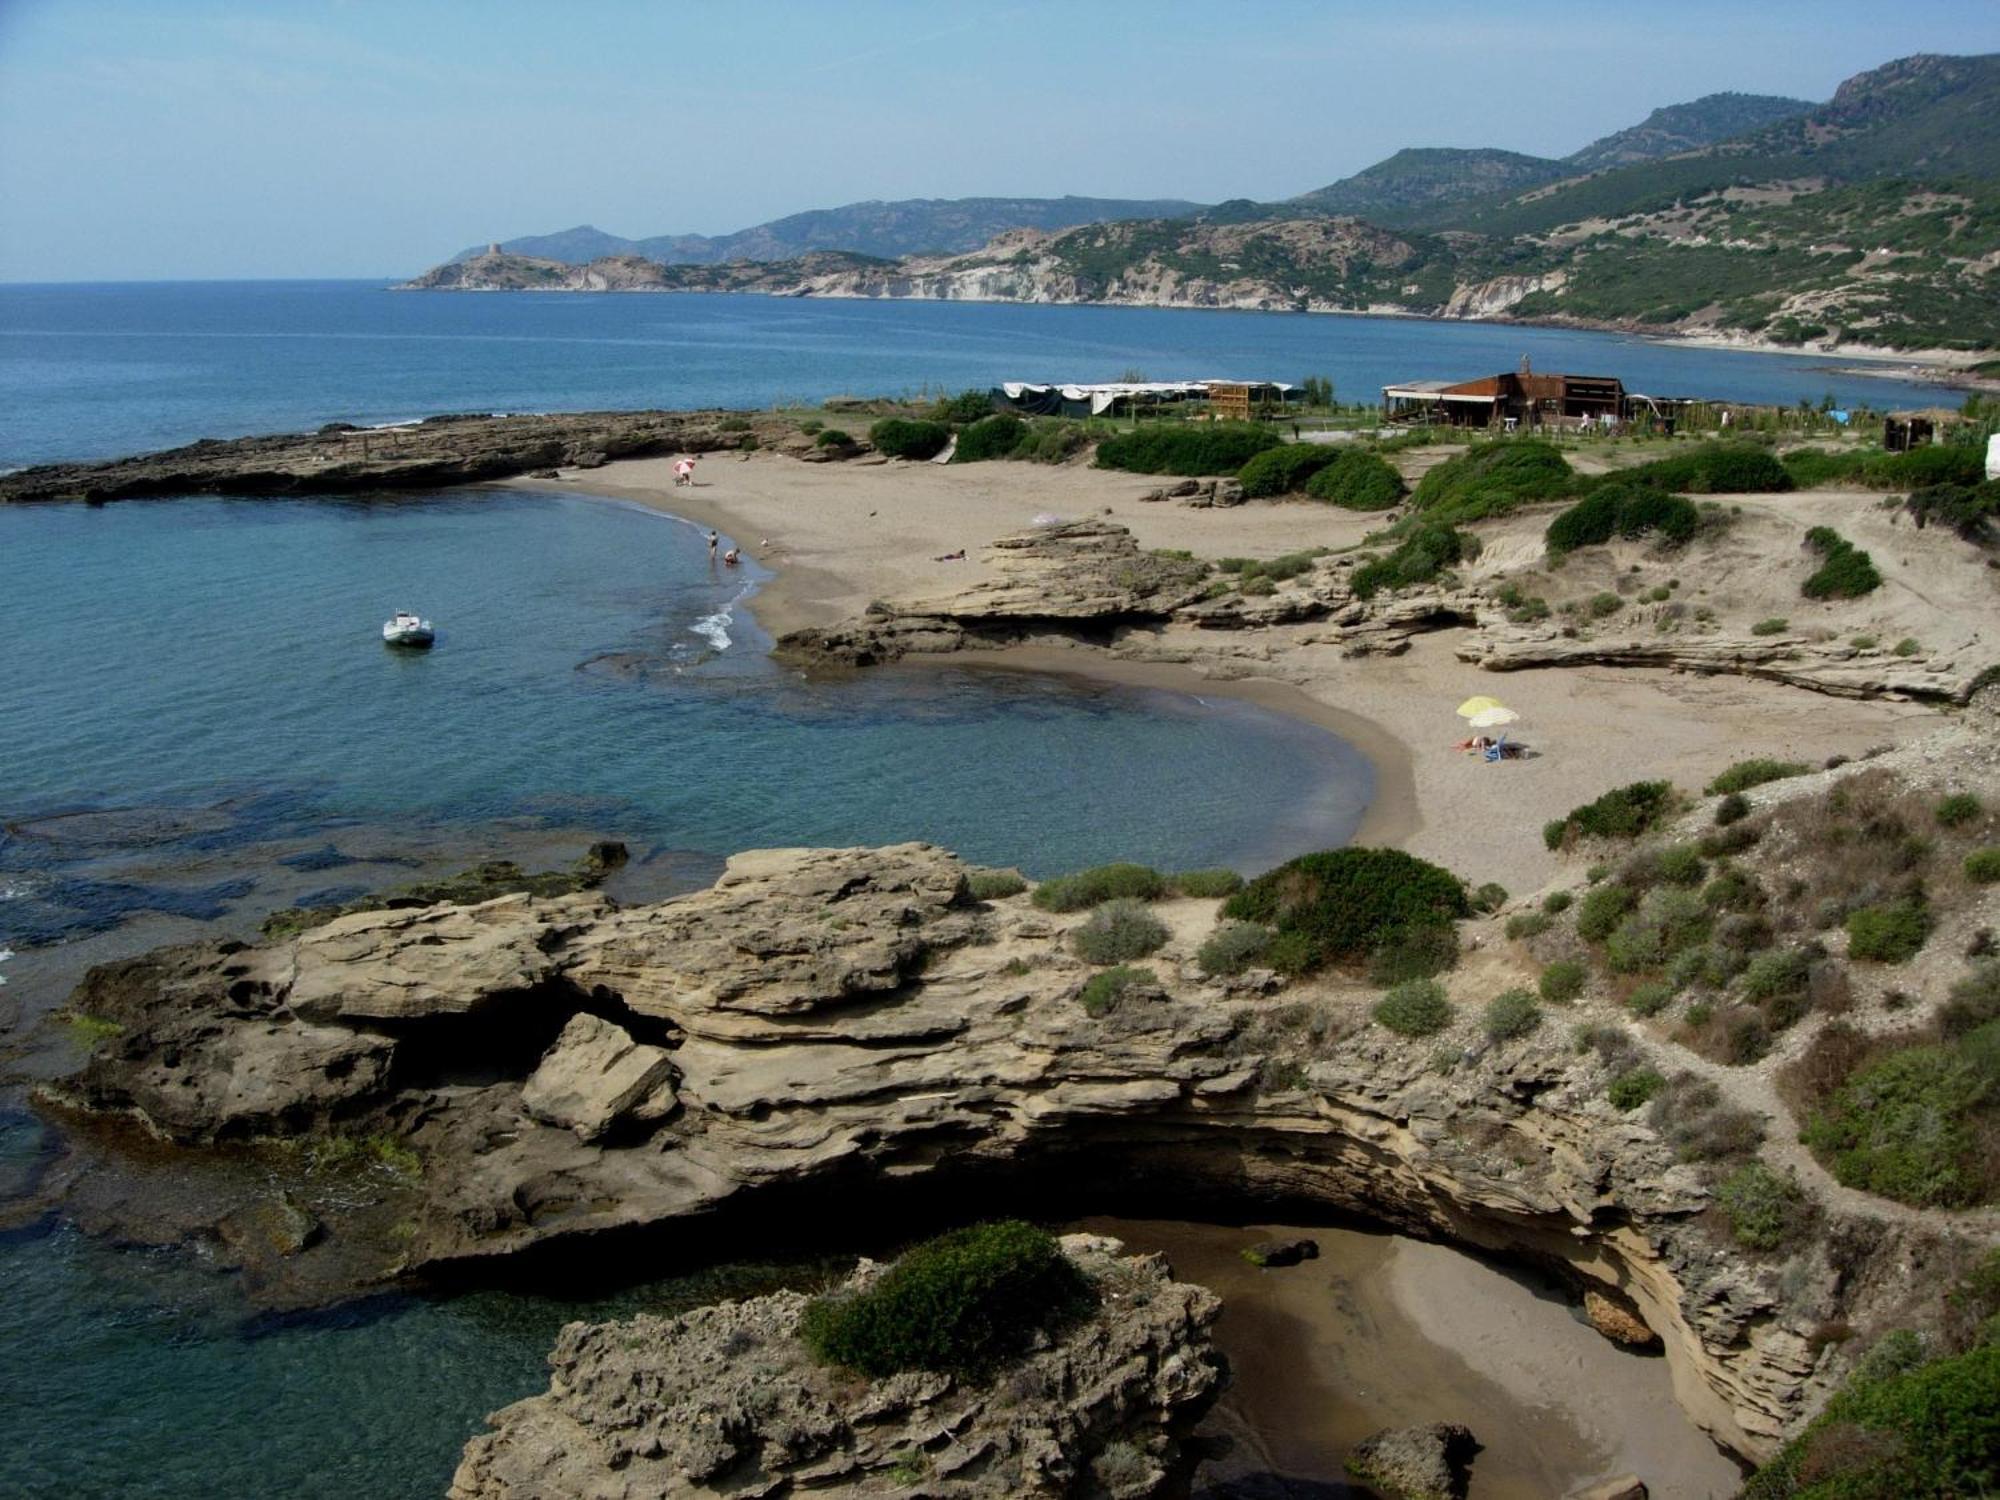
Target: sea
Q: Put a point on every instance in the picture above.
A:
(200, 725)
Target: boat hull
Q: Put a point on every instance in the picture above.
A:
(409, 640)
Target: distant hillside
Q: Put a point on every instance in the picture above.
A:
(1423, 176)
(907, 227)
(1685, 127)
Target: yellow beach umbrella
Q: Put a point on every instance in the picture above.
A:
(1494, 717)
(1479, 705)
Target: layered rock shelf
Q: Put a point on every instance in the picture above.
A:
(726, 1400)
(853, 1020)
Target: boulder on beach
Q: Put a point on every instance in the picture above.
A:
(1417, 1463)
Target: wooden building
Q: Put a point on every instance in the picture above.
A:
(1518, 398)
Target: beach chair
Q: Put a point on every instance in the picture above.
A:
(1497, 751)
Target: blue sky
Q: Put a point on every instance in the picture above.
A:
(144, 139)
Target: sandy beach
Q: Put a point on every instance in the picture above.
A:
(838, 535)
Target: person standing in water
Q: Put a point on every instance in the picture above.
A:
(712, 540)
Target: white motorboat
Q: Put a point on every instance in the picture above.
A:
(408, 630)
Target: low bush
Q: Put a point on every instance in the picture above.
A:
(991, 437)
(1911, 1125)
(1413, 953)
(1974, 1000)
(1623, 813)
(1119, 929)
(963, 1302)
(833, 437)
(1279, 568)
(1233, 947)
(1512, 1013)
(1603, 605)
(1748, 773)
(1666, 922)
(994, 885)
(1890, 933)
(1188, 449)
(1650, 998)
(1205, 885)
(1634, 1087)
(1765, 1211)
(1845, 571)
(1627, 511)
(1492, 479)
(1103, 990)
(1488, 898)
(899, 437)
(1101, 883)
(1557, 902)
(1712, 469)
(966, 406)
(1416, 1007)
(1982, 866)
(1562, 981)
(1967, 509)
(1733, 808)
(1527, 924)
(1771, 625)
(1357, 480)
(1957, 810)
(1425, 553)
(1601, 910)
(1336, 906)
(1690, 1114)
(1284, 469)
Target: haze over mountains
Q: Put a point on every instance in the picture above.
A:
(1873, 218)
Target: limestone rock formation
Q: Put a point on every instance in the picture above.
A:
(725, 1400)
(853, 1020)
(1417, 1463)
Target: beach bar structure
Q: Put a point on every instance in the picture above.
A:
(1240, 399)
(1518, 398)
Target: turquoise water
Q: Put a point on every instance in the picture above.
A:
(89, 371)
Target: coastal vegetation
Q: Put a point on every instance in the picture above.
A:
(1104, 989)
(1416, 1007)
(997, 436)
(1490, 479)
(1355, 479)
(1745, 774)
(1188, 449)
(1284, 470)
(1098, 884)
(1342, 905)
(1845, 571)
(1622, 813)
(1119, 929)
(900, 437)
(1622, 510)
(1423, 555)
(963, 1303)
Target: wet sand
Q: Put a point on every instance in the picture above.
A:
(1383, 1331)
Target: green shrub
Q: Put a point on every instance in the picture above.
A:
(1419, 558)
(1967, 509)
(1983, 865)
(1512, 1013)
(1776, 974)
(991, 437)
(1712, 469)
(1909, 645)
(1678, 864)
(1772, 625)
(833, 437)
(1283, 469)
(1527, 924)
(1338, 905)
(1603, 605)
(1928, 1433)
(1357, 480)
(1233, 947)
(1488, 898)
(1691, 1114)
(1650, 998)
(1733, 808)
(1748, 773)
(1905, 1126)
(1973, 1001)
(1413, 953)
(1119, 929)
(1629, 511)
(899, 437)
(995, 885)
(1189, 449)
(1557, 902)
(1601, 910)
(1623, 813)
(966, 406)
(1416, 1007)
(1101, 883)
(1765, 1211)
(1890, 933)
(1205, 885)
(1667, 921)
(1493, 479)
(1846, 572)
(1634, 1087)
(1957, 810)
(1104, 989)
(963, 1302)
(1562, 981)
